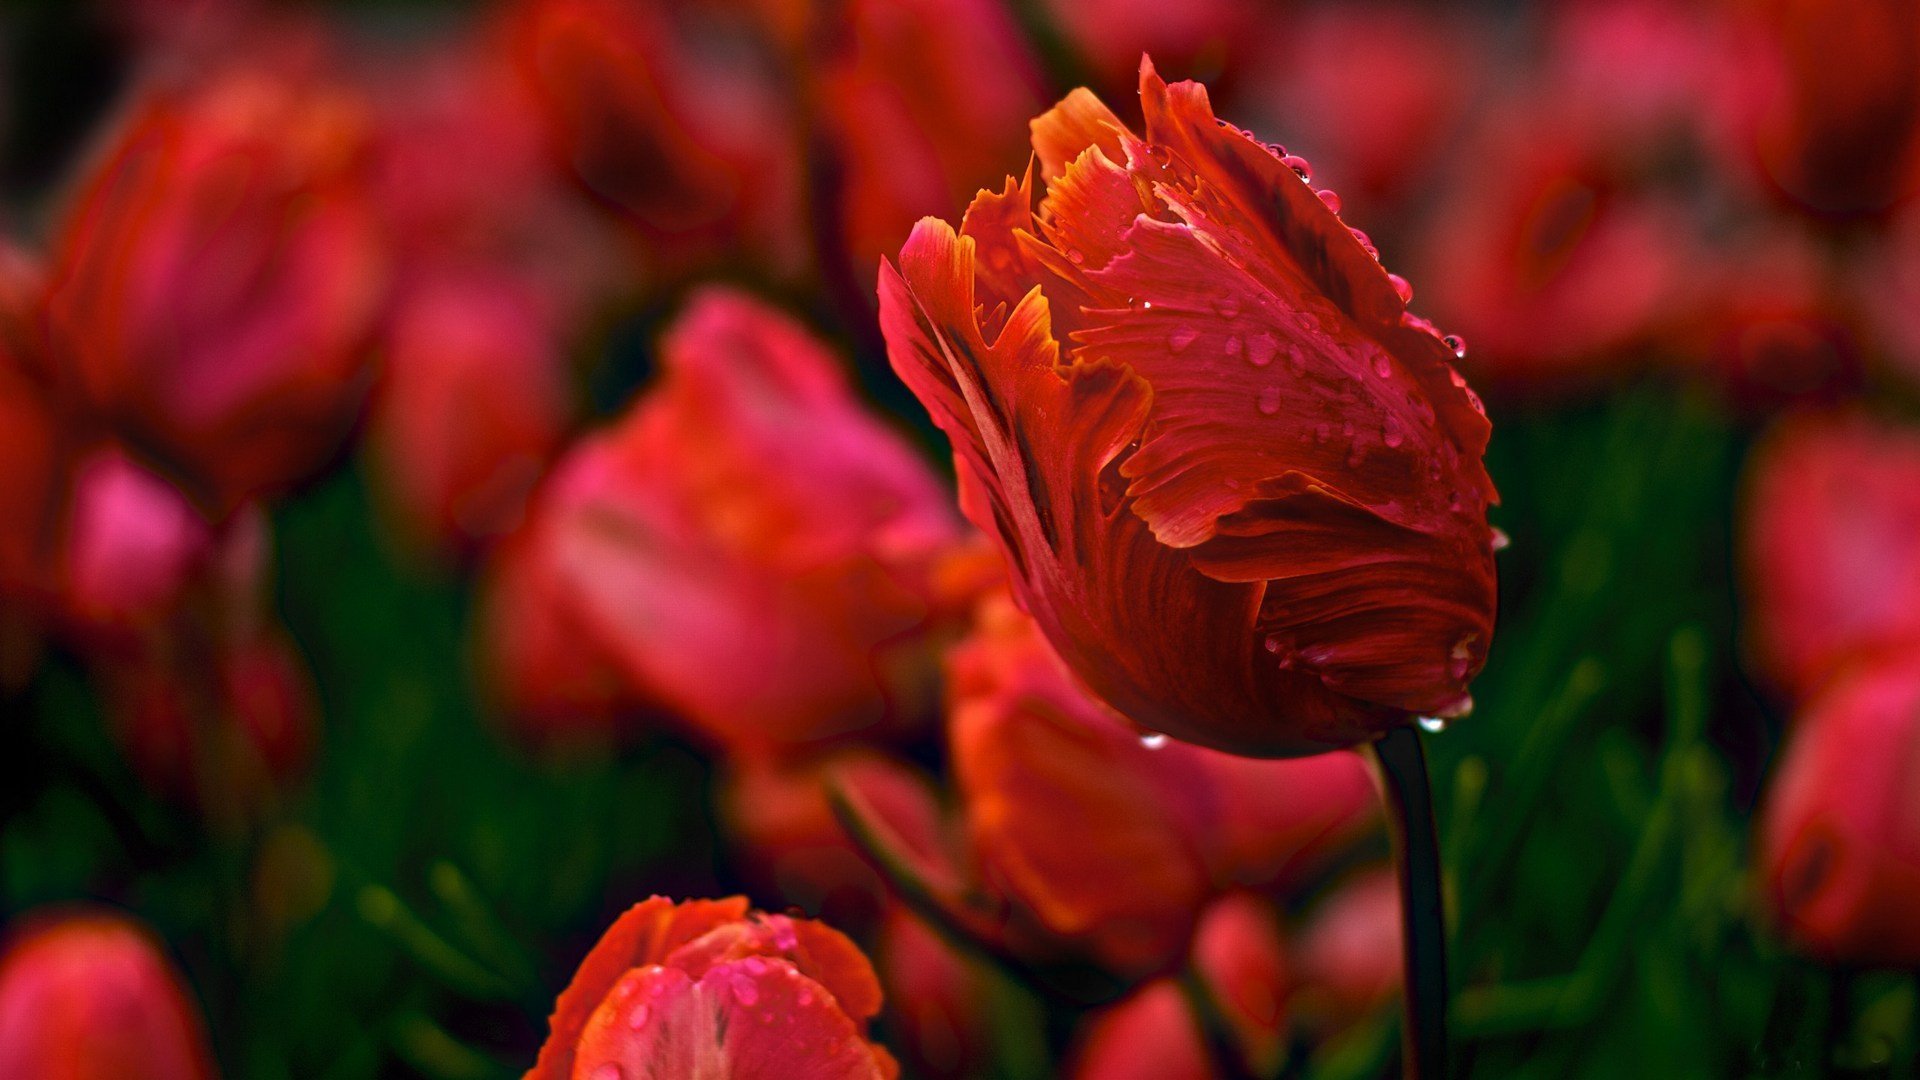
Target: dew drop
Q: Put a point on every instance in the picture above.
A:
(1153, 740)
(1075, 257)
(745, 992)
(1260, 349)
(1458, 344)
(754, 965)
(1390, 433)
(609, 1071)
(1269, 402)
(1401, 286)
(1382, 366)
(1500, 541)
(637, 1019)
(804, 997)
(1234, 346)
(1179, 339)
(1433, 725)
(1332, 200)
(1299, 166)
(1228, 306)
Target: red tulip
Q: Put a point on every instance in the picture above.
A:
(134, 545)
(1558, 266)
(1832, 547)
(1154, 1034)
(1110, 35)
(1139, 836)
(32, 471)
(669, 119)
(225, 732)
(938, 1011)
(749, 545)
(1826, 101)
(216, 284)
(1348, 951)
(914, 127)
(1839, 838)
(89, 995)
(706, 988)
(472, 404)
(1247, 504)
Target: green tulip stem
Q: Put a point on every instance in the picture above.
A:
(1409, 804)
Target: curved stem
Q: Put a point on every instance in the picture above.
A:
(1409, 799)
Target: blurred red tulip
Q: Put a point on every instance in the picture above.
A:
(938, 1008)
(915, 128)
(89, 995)
(216, 284)
(1825, 99)
(1839, 845)
(1154, 1034)
(752, 547)
(1247, 504)
(778, 813)
(1376, 89)
(32, 474)
(1110, 35)
(472, 403)
(1777, 327)
(666, 114)
(1556, 265)
(1831, 534)
(133, 546)
(706, 988)
(1348, 952)
(1139, 834)
(226, 733)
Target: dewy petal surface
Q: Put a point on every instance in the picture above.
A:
(1237, 483)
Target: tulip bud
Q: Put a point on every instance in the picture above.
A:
(89, 995)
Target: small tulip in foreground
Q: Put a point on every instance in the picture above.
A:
(1238, 485)
(89, 995)
(708, 989)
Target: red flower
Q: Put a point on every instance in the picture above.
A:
(1139, 836)
(1826, 101)
(748, 545)
(133, 546)
(1348, 951)
(1839, 837)
(1832, 539)
(915, 127)
(472, 403)
(217, 283)
(32, 473)
(89, 995)
(1237, 484)
(669, 119)
(939, 1013)
(1154, 1035)
(706, 988)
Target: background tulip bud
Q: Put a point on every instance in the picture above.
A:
(89, 995)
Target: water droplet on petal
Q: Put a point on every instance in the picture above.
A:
(1458, 344)
(1234, 345)
(1500, 541)
(745, 992)
(637, 1019)
(1299, 166)
(1153, 740)
(1433, 725)
(1228, 306)
(1402, 286)
(1179, 339)
(1269, 402)
(1390, 433)
(1075, 257)
(609, 1071)
(1382, 366)
(1328, 196)
(1260, 349)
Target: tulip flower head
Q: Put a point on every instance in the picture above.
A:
(90, 996)
(1239, 486)
(1839, 845)
(706, 988)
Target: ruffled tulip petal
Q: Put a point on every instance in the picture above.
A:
(751, 1019)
